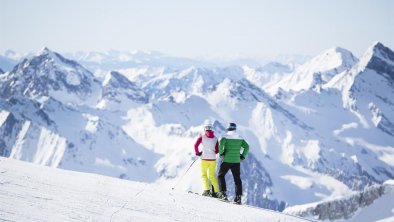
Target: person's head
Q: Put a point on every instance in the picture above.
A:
(231, 127)
(208, 125)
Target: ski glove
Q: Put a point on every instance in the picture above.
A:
(221, 155)
(242, 157)
(199, 154)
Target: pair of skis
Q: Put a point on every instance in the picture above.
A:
(226, 201)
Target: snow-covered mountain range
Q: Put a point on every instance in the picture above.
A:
(320, 131)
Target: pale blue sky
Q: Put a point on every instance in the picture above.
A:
(200, 28)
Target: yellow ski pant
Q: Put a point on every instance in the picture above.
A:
(208, 169)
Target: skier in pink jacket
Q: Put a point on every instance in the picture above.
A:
(210, 148)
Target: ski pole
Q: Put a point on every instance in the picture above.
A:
(179, 180)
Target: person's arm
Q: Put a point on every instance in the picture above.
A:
(217, 147)
(221, 146)
(196, 144)
(245, 145)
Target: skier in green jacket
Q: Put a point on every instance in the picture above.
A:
(230, 150)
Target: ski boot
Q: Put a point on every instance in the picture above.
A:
(237, 199)
(206, 193)
(222, 196)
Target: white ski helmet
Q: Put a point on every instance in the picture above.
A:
(207, 125)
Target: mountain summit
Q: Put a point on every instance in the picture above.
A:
(119, 93)
(381, 59)
(48, 74)
(319, 70)
(372, 91)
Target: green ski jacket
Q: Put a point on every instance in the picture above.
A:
(230, 146)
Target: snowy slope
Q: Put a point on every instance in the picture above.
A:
(342, 148)
(30, 193)
(53, 134)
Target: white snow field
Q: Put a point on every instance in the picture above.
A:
(29, 192)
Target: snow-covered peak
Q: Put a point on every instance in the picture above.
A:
(319, 70)
(53, 56)
(50, 74)
(380, 58)
(329, 63)
(116, 78)
(380, 50)
(119, 93)
(48, 56)
(377, 57)
(168, 84)
(367, 88)
(45, 50)
(117, 81)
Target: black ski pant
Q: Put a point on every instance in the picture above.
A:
(236, 171)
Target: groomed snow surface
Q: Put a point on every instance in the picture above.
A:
(30, 192)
